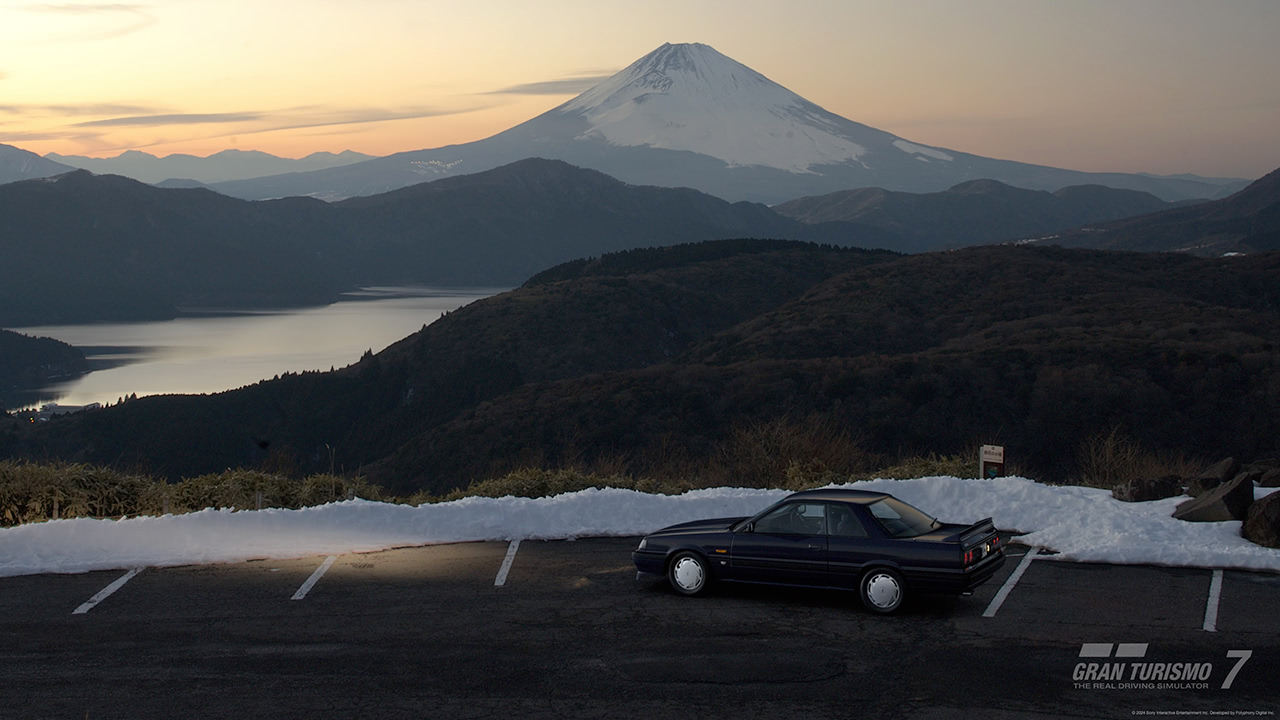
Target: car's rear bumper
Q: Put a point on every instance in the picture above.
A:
(958, 580)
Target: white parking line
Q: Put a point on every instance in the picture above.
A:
(105, 592)
(506, 563)
(1211, 606)
(1007, 588)
(315, 577)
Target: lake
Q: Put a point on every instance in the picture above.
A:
(211, 351)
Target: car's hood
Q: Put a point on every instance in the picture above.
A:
(711, 525)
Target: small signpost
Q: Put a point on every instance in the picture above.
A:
(991, 464)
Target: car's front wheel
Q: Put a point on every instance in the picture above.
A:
(688, 573)
(882, 590)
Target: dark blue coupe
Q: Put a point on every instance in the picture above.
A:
(846, 539)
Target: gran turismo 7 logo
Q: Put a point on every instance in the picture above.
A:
(1123, 666)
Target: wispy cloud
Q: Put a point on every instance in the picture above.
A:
(37, 135)
(286, 119)
(76, 110)
(311, 117)
(173, 119)
(562, 86)
(295, 118)
(85, 8)
(100, 135)
(132, 17)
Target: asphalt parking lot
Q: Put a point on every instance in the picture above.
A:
(564, 629)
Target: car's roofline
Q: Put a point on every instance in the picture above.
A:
(861, 497)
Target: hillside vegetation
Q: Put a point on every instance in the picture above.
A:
(79, 247)
(540, 333)
(976, 212)
(27, 362)
(738, 359)
(1246, 222)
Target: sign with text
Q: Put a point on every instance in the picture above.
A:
(991, 464)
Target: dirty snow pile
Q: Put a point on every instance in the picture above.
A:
(1081, 524)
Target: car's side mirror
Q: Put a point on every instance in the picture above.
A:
(749, 527)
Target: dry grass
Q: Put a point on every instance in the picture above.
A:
(33, 492)
(785, 453)
(779, 454)
(964, 466)
(535, 482)
(1107, 459)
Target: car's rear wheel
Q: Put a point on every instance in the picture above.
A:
(688, 573)
(882, 590)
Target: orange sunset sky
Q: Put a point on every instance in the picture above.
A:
(1165, 86)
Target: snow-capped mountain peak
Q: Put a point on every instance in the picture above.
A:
(691, 97)
(687, 116)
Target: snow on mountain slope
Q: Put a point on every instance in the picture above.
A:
(18, 164)
(690, 97)
(686, 115)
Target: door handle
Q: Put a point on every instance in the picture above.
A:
(815, 547)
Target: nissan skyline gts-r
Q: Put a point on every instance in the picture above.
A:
(870, 542)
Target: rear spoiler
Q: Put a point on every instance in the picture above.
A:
(977, 532)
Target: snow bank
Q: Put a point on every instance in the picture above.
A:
(1086, 524)
(214, 536)
(1082, 524)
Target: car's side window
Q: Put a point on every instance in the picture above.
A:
(841, 522)
(794, 519)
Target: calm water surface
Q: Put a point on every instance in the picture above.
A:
(210, 353)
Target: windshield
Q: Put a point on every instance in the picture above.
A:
(900, 519)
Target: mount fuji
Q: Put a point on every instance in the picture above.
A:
(686, 115)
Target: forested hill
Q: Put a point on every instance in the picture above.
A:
(27, 362)
(976, 212)
(587, 325)
(1246, 222)
(1038, 349)
(80, 247)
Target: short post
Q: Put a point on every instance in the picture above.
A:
(164, 505)
(991, 461)
(55, 508)
(259, 499)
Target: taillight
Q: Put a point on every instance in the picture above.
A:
(970, 556)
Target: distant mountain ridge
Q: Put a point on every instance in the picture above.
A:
(111, 247)
(17, 164)
(685, 115)
(975, 212)
(81, 247)
(218, 167)
(1246, 222)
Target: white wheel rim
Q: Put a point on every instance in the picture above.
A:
(688, 573)
(883, 590)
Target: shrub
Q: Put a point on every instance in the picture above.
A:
(33, 492)
(30, 492)
(965, 465)
(775, 453)
(536, 482)
(1107, 459)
